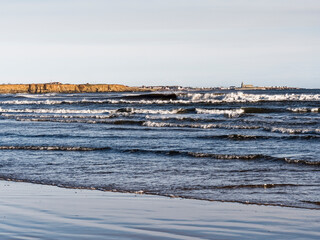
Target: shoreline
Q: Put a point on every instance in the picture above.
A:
(169, 196)
(40, 211)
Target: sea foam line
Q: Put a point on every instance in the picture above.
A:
(228, 113)
(304, 109)
(249, 157)
(9, 115)
(164, 152)
(173, 125)
(292, 130)
(247, 97)
(63, 111)
(52, 148)
(127, 111)
(136, 122)
(188, 98)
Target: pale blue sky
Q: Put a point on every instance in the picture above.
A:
(161, 42)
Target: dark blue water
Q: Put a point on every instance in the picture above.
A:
(257, 147)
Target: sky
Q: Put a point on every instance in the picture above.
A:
(198, 43)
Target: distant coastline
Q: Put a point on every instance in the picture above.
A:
(242, 87)
(251, 87)
(56, 87)
(64, 88)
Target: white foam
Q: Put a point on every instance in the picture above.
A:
(293, 130)
(204, 126)
(241, 97)
(63, 111)
(247, 97)
(174, 117)
(26, 95)
(304, 109)
(49, 148)
(193, 98)
(162, 124)
(202, 96)
(229, 113)
(127, 111)
(51, 102)
(184, 99)
(8, 115)
(298, 109)
(152, 111)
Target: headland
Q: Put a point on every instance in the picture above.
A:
(64, 88)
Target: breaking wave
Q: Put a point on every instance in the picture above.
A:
(189, 98)
(240, 137)
(63, 111)
(204, 126)
(155, 124)
(232, 112)
(247, 97)
(292, 130)
(228, 113)
(226, 156)
(33, 116)
(52, 148)
(163, 152)
(156, 111)
(240, 186)
(304, 109)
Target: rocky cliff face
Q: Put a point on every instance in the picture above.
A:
(64, 88)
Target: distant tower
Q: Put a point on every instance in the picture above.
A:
(241, 84)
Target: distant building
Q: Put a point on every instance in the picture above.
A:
(250, 87)
(247, 85)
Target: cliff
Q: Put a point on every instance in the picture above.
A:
(65, 88)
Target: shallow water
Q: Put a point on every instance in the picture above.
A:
(33, 211)
(257, 147)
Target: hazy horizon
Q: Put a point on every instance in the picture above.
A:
(203, 43)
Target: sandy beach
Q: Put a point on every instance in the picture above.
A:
(31, 211)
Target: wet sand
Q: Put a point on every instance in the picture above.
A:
(31, 211)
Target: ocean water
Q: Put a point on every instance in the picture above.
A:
(259, 147)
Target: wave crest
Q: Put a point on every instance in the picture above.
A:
(52, 148)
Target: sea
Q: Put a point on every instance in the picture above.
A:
(253, 147)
